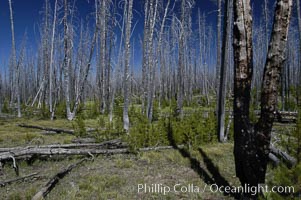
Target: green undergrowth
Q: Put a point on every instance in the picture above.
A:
(284, 176)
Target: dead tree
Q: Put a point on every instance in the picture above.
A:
(186, 6)
(150, 58)
(52, 60)
(126, 77)
(103, 47)
(223, 76)
(219, 44)
(67, 62)
(160, 54)
(252, 141)
(14, 64)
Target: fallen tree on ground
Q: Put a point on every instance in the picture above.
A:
(56, 130)
(111, 144)
(25, 153)
(289, 160)
(4, 183)
(55, 179)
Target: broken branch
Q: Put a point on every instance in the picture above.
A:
(4, 183)
(54, 180)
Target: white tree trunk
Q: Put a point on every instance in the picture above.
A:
(51, 60)
(70, 115)
(126, 77)
(14, 61)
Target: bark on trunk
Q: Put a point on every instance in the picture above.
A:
(251, 147)
(52, 61)
(67, 63)
(14, 65)
(126, 77)
(223, 76)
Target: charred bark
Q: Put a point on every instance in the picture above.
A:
(252, 142)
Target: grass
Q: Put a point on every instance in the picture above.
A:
(107, 177)
(13, 135)
(116, 176)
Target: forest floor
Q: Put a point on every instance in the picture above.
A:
(115, 176)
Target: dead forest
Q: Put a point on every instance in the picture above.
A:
(117, 93)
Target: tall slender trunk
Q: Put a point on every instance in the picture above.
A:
(219, 46)
(14, 62)
(103, 33)
(51, 60)
(223, 75)
(145, 57)
(151, 60)
(66, 62)
(181, 63)
(160, 53)
(126, 77)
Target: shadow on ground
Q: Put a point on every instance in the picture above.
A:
(214, 178)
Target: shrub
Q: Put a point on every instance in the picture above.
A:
(5, 107)
(91, 109)
(61, 110)
(145, 134)
(79, 125)
(195, 129)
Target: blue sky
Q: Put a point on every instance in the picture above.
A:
(27, 17)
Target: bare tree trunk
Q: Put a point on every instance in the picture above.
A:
(67, 63)
(126, 77)
(223, 75)
(145, 57)
(103, 35)
(251, 145)
(160, 53)
(219, 46)
(151, 63)
(266, 20)
(14, 61)
(181, 64)
(51, 61)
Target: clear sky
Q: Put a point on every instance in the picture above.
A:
(27, 17)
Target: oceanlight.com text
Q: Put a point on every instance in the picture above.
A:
(214, 188)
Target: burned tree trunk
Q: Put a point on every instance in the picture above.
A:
(243, 68)
(14, 64)
(66, 63)
(252, 142)
(223, 76)
(126, 77)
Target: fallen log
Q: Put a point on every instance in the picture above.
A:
(59, 151)
(4, 183)
(56, 130)
(54, 180)
(116, 143)
(25, 153)
(83, 140)
(274, 159)
(289, 160)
